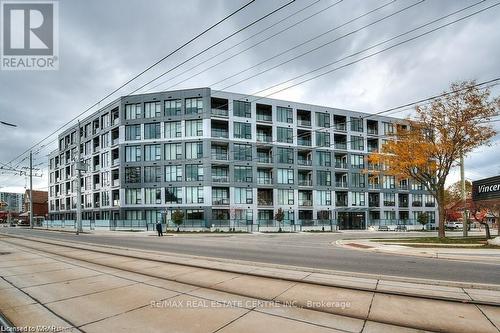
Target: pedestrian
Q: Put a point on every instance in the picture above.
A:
(159, 228)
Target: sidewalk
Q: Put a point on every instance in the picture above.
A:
(484, 255)
(101, 289)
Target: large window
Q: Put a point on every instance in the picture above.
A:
(357, 161)
(133, 111)
(285, 176)
(194, 127)
(152, 152)
(322, 119)
(132, 153)
(173, 107)
(322, 139)
(242, 109)
(242, 130)
(132, 132)
(389, 199)
(152, 131)
(285, 155)
(388, 182)
(324, 178)
(132, 175)
(356, 124)
(324, 158)
(133, 196)
(285, 115)
(358, 198)
(194, 172)
(173, 129)
(284, 135)
(194, 105)
(173, 195)
(152, 174)
(194, 150)
(173, 173)
(194, 194)
(323, 198)
(173, 151)
(285, 197)
(388, 128)
(243, 195)
(358, 180)
(152, 109)
(357, 142)
(243, 174)
(242, 152)
(152, 196)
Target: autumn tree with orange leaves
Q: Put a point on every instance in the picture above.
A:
(426, 148)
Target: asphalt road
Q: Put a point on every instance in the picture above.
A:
(305, 250)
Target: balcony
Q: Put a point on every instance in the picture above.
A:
(341, 184)
(341, 145)
(304, 122)
(373, 186)
(220, 202)
(341, 203)
(220, 113)
(219, 133)
(374, 203)
(305, 182)
(388, 203)
(416, 204)
(264, 159)
(264, 112)
(219, 157)
(340, 165)
(403, 204)
(304, 141)
(116, 182)
(220, 179)
(264, 180)
(305, 203)
(262, 137)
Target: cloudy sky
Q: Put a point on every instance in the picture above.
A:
(104, 43)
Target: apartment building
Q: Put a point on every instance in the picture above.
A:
(222, 156)
(11, 202)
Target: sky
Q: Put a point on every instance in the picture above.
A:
(104, 43)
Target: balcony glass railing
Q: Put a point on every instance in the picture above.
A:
(220, 112)
(341, 184)
(220, 179)
(264, 180)
(305, 182)
(219, 157)
(339, 127)
(263, 202)
(372, 131)
(264, 117)
(220, 134)
(303, 142)
(340, 165)
(304, 122)
(416, 203)
(264, 138)
(341, 145)
(220, 201)
(302, 161)
(341, 203)
(374, 203)
(307, 203)
(264, 159)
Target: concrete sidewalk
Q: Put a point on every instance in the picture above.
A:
(491, 256)
(100, 289)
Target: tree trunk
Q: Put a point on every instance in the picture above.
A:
(441, 212)
(486, 229)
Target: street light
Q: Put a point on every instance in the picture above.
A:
(7, 124)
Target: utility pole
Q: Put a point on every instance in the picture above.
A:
(31, 189)
(464, 196)
(78, 168)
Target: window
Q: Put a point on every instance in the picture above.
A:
(285, 155)
(133, 196)
(324, 178)
(388, 182)
(132, 132)
(416, 186)
(417, 200)
(133, 175)
(324, 158)
(322, 139)
(242, 130)
(152, 131)
(285, 197)
(389, 199)
(194, 127)
(220, 196)
(242, 152)
(133, 111)
(358, 180)
(194, 194)
(356, 124)
(429, 200)
(358, 198)
(194, 172)
(194, 105)
(105, 198)
(388, 128)
(173, 129)
(152, 196)
(173, 195)
(284, 135)
(173, 151)
(152, 174)
(152, 109)
(105, 160)
(132, 153)
(322, 119)
(133, 215)
(152, 152)
(173, 173)
(389, 215)
(285, 115)
(242, 109)
(243, 174)
(357, 161)
(285, 176)
(357, 142)
(243, 195)
(194, 150)
(173, 107)
(324, 198)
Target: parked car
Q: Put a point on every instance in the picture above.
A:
(401, 228)
(454, 225)
(383, 228)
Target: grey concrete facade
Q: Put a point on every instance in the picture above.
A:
(223, 156)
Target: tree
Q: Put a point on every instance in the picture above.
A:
(425, 149)
(453, 193)
(423, 219)
(279, 216)
(178, 218)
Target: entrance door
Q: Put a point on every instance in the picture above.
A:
(351, 220)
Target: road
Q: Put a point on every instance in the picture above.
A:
(301, 249)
